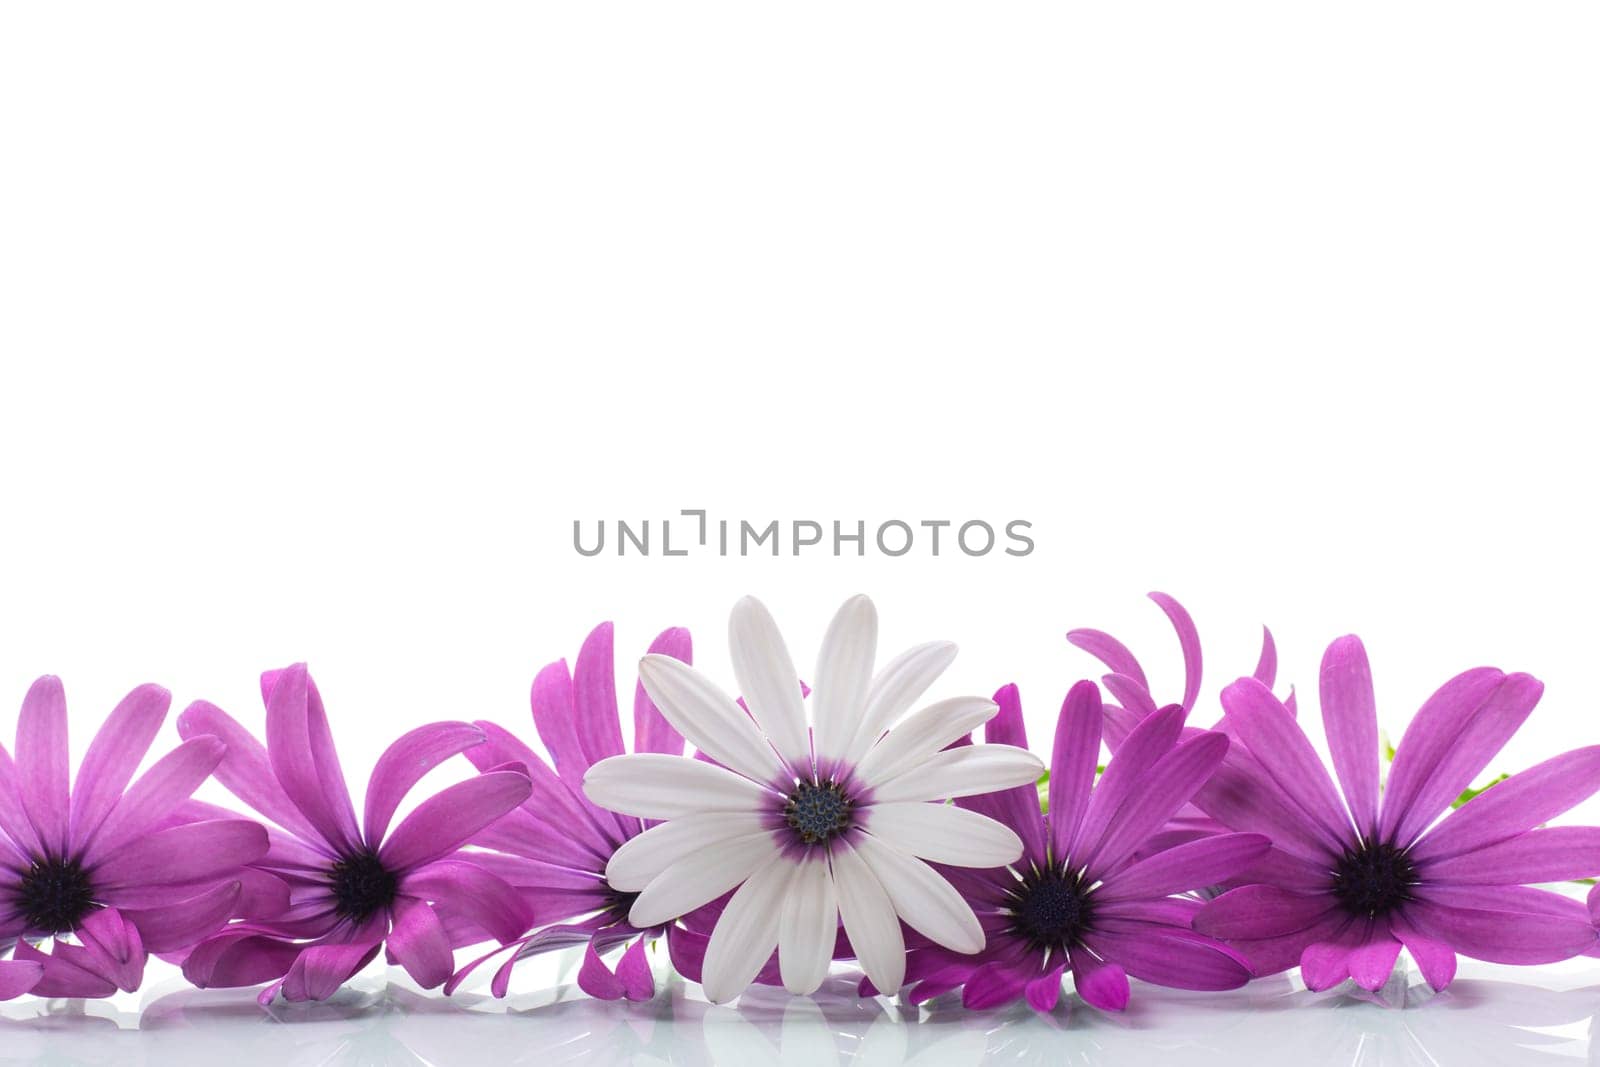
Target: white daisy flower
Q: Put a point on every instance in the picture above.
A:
(811, 826)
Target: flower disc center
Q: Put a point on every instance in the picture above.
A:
(818, 811)
(54, 895)
(1373, 880)
(1052, 909)
(361, 886)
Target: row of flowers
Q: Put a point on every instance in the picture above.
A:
(809, 826)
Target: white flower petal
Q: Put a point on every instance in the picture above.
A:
(844, 675)
(894, 690)
(808, 927)
(929, 904)
(746, 933)
(653, 785)
(869, 921)
(641, 858)
(711, 720)
(702, 877)
(943, 833)
(923, 734)
(767, 679)
(961, 772)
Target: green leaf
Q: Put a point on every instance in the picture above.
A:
(1468, 793)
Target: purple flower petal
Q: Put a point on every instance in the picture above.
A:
(1101, 984)
(245, 770)
(189, 853)
(1195, 865)
(995, 983)
(300, 750)
(319, 971)
(182, 923)
(67, 972)
(1455, 735)
(1324, 964)
(42, 762)
(1435, 959)
(1266, 671)
(1173, 958)
(1073, 764)
(1257, 912)
(1284, 753)
(418, 943)
(596, 979)
(1241, 796)
(1152, 739)
(1113, 653)
(1017, 807)
(449, 819)
(1134, 698)
(1552, 854)
(1188, 641)
(405, 762)
(1372, 963)
(490, 900)
(594, 694)
(1273, 954)
(1350, 717)
(239, 957)
(651, 731)
(1519, 803)
(18, 977)
(114, 755)
(1044, 992)
(551, 798)
(1498, 932)
(1171, 783)
(114, 946)
(155, 796)
(633, 971)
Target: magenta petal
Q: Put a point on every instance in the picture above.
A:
(418, 943)
(1324, 964)
(1455, 735)
(1170, 957)
(1435, 959)
(1497, 931)
(42, 762)
(551, 798)
(633, 971)
(1125, 775)
(114, 755)
(1102, 985)
(1283, 752)
(1373, 962)
(554, 717)
(1256, 912)
(1551, 854)
(1171, 783)
(1017, 807)
(245, 770)
(1519, 803)
(651, 731)
(1113, 653)
(18, 977)
(1194, 865)
(465, 887)
(995, 983)
(1188, 641)
(596, 979)
(319, 971)
(1073, 764)
(1044, 992)
(1350, 717)
(594, 696)
(67, 972)
(115, 946)
(237, 957)
(189, 853)
(449, 819)
(300, 750)
(1242, 796)
(157, 793)
(1266, 671)
(404, 763)
(184, 922)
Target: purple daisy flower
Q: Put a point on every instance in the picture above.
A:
(555, 848)
(351, 889)
(109, 871)
(1087, 896)
(1352, 879)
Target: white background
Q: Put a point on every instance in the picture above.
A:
(321, 323)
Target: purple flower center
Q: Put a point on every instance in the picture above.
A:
(619, 902)
(54, 895)
(1051, 908)
(818, 811)
(361, 887)
(1373, 880)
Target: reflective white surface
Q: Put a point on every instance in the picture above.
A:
(1491, 1015)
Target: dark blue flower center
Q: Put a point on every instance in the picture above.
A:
(619, 902)
(54, 895)
(1373, 880)
(818, 811)
(1052, 908)
(362, 887)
